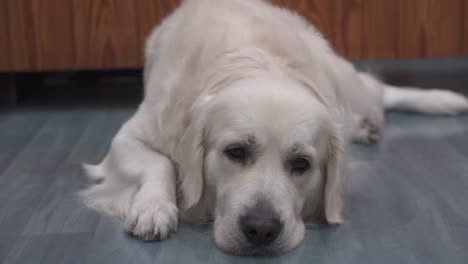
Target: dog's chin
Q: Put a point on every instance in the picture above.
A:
(257, 251)
(251, 251)
(232, 241)
(238, 246)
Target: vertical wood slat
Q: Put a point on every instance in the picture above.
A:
(112, 33)
(465, 28)
(4, 33)
(105, 34)
(430, 28)
(98, 34)
(315, 11)
(379, 29)
(445, 30)
(346, 27)
(22, 38)
(151, 13)
(55, 31)
(412, 21)
(41, 34)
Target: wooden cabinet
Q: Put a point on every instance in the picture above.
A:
(76, 34)
(381, 29)
(44, 35)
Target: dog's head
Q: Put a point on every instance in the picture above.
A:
(265, 155)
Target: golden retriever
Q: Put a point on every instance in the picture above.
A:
(245, 120)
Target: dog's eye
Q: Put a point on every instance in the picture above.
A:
(299, 165)
(236, 153)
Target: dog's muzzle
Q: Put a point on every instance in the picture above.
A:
(260, 225)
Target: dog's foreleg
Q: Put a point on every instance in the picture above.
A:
(136, 183)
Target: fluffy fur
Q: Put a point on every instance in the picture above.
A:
(242, 72)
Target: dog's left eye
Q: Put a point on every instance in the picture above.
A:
(236, 153)
(299, 164)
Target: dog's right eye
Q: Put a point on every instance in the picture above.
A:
(236, 153)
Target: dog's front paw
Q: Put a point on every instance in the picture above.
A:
(152, 221)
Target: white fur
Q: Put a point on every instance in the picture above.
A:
(220, 72)
(424, 101)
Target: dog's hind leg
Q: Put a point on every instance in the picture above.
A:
(364, 131)
(368, 111)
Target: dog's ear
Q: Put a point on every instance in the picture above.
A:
(191, 153)
(334, 179)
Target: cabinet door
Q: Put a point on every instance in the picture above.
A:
(381, 29)
(39, 34)
(45, 35)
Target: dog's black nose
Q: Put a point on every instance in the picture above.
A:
(260, 230)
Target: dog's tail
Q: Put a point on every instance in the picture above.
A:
(434, 101)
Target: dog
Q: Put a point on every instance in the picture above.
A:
(245, 120)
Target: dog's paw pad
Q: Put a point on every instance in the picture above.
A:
(152, 222)
(368, 132)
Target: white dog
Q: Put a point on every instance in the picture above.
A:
(245, 119)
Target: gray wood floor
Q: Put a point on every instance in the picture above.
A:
(407, 198)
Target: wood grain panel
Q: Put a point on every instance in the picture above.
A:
(465, 29)
(430, 28)
(379, 29)
(41, 34)
(23, 37)
(412, 28)
(316, 11)
(105, 34)
(150, 14)
(346, 27)
(444, 28)
(4, 33)
(55, 31)
(101, 34)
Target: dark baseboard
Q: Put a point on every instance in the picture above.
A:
(8, 93)
(120, 87)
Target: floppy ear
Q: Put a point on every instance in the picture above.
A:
(334, 179)
(191, 152)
